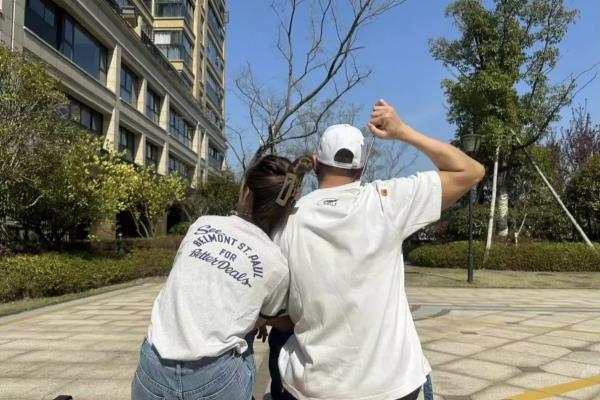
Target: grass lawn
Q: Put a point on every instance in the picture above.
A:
(457, 277)
(30, 304)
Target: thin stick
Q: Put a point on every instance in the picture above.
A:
(367, 159)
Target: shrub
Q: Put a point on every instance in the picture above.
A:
(541, 256)
(109, 248)
(180, 228)
(53, 274)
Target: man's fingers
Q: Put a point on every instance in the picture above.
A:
(380, 102)
(376, 131)
(376, 114)
(377, 121)
(383, 102)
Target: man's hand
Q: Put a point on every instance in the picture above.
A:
(385, 123)
(262, 333)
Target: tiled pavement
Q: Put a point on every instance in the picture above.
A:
(482, 344)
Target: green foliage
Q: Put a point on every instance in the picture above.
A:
(544, 256)
(54, 176)
(454, 223)
(180, 228)
(149, 195)
(218, 196)
(583, 195)
(511, 45)
(53, 274)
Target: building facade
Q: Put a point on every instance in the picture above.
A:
(145, 75)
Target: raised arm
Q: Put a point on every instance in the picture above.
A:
(458, 172)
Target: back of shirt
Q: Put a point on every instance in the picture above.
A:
(354, 334)
(226, 273)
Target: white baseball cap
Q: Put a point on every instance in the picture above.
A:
(342, 146)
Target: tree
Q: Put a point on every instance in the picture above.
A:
(217, 196)
(583, 194)
(500, 66)
(53, 176)
(318, 72)
(577, 143)
(149, 196)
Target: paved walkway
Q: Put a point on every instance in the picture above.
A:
(482, 343)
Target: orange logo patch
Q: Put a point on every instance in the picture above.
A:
(384, 192)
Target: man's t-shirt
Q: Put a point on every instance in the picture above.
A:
(226, 274)
(354, 336)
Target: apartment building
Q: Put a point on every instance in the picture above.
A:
(145, 75)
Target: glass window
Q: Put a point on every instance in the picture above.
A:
(84, 116)
(180, 129)
(153, 103)
(214, 56)
(127, 143)
(177, 167)
(152, 156)
(214, 24)
(175, 45)
(128, 85)
(41, 18)
(213, 91)
(44, 18)
(175, 8)
(187, 82)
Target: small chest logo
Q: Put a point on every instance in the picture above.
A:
(328, 202)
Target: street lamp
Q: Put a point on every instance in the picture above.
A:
(470, 144)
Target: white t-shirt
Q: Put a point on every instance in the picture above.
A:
(354, 333)
(226, 274)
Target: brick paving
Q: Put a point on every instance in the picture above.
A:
(482, 343)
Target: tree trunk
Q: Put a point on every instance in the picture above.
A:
(488, 243)
(502, 225)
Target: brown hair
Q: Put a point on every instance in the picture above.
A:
(267, 179)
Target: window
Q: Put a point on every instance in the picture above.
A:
(213, 117)
(180, 129)
(174, 45)
(214, 24)
(177, 167)
(152, 156)
(214, 56)
(176, 8)
(58, 29)
(187, 82)
(127, 143)
(84, 116)
(128, 85)
(153, 102)
(213, 91)
(41, 18)
(214, 153)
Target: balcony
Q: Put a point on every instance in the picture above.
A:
(127, 11)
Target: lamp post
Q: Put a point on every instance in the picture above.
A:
(470, 144)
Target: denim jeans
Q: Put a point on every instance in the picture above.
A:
(230, 376)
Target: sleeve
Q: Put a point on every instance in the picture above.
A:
(275, 304)
(412, 202)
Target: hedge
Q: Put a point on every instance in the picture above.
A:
(534, 256)
(53, 274)
(110, 248)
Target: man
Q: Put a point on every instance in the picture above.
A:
(354, 337)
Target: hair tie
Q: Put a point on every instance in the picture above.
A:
(289, 188)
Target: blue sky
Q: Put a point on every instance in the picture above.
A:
(396, 49)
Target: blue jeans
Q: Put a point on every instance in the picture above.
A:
(230, 376)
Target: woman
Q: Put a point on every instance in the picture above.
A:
(227, 278)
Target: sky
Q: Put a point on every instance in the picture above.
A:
(404, 72)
